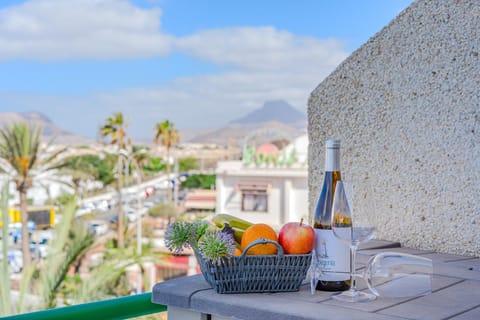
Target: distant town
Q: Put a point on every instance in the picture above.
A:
(90, 207)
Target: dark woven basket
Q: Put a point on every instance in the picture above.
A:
(266, 273)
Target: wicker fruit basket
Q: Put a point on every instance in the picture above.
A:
(266, 273)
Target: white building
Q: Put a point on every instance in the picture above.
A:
(267, 186)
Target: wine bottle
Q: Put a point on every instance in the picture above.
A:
(332, 254)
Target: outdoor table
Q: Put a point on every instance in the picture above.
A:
(455, 286)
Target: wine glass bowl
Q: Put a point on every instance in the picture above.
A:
(351, 229)
(399, 275)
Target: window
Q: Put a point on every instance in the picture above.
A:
(254, 196)
(254, 202)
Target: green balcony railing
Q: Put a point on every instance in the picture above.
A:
(117, 308)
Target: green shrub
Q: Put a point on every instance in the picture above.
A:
(163, 210)
(199, 181)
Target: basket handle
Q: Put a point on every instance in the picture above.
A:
(262, 241)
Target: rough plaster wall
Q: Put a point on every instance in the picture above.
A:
(406, 106)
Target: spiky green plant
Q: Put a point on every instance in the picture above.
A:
(182, 234)
(5, 300)
(215, 245)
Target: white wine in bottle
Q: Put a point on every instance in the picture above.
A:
(332, 254)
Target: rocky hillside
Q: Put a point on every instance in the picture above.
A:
(50, 129)
(275, 110)
(274, 120)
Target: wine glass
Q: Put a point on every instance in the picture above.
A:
(398, 275)
(351, 229)
(391, 275)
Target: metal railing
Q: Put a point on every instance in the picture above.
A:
(117, 308)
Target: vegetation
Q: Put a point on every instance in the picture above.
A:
(188, 163)
(20, 158)
(93, 167)
(154, 165)
(44, 279)
(114, 128)
(5, 302)
(167, 135)
(56, 280)
(65, 198)
(164, 210)
(80, 169)
(199, 181)
(49, 279)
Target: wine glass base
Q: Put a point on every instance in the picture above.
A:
(354, 296)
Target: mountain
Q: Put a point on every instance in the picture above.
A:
(274, 110)
(273, 121)
(50, 130)
(236, 135)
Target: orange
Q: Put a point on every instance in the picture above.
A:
(237, 252)
(257, 231)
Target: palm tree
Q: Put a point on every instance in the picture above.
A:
(140, 157)
(167, 135)
(114, 128)
(80, 169)
(21, 159)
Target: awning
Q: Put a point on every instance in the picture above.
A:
(254, 187)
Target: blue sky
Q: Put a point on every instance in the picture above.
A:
(198, 63)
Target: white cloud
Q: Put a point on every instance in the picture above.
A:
(262, 48)
(59, 29)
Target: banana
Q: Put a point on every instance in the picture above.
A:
(224, 220)
(237, 234)
(234, 222)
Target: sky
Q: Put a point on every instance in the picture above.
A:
(198, 63)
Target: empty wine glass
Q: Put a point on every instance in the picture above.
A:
(391, 275)
(398, 275)
(351, 229)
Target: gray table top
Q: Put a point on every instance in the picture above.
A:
(456, 295)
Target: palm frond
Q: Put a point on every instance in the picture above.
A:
(81, 240)
(52, 161)
(25, 287)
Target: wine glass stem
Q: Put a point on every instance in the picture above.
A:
(353, 253)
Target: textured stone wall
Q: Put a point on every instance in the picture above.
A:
(406, 106)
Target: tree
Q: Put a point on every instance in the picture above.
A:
(188, 163)
(114, 128)
(90, 166)
(153, 166)
(22, 160)
(199, 181)
(80, 169)
(139, 156)
(167, 135)
(164, 210)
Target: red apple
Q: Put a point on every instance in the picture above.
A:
(296, 238)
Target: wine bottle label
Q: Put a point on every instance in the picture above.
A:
(333, 256)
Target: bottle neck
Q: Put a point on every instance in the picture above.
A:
(332, 159)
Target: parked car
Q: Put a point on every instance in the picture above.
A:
(148, 204)
(15, 260)
(131, 216)
(98, 227)
(102, 205)
(39, 249)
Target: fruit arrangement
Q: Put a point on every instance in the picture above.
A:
(259, 268)
(230, 236)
